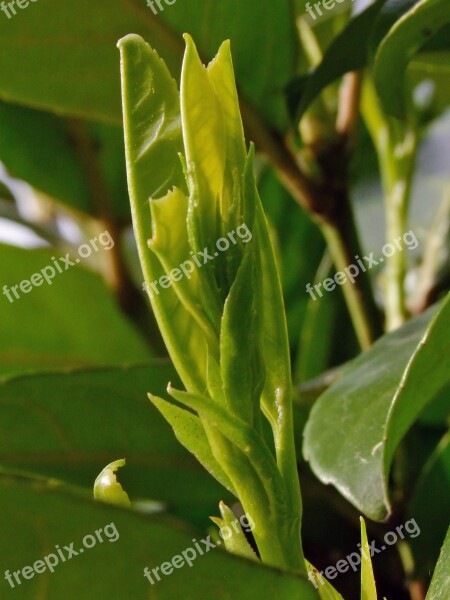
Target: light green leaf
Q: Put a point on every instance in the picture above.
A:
(357, 424)
(241, 360)
(222, 78)
(107, 488)
(232, 533)
(251, 467)
(404, 40)
(277, 390)
(204, 138)
(324, 588)
(190, 433)
(241, 435)
(171, 246)
(440, 584)
(153, 138)
(368, 588)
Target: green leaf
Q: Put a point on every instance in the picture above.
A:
(404, 40)
(368, 588)
(433, 71)
(153, 137)
(35, 146)
(429, 507)
(191, 434)
(220, 184)
(357, 424)
(204, 137)
(41, 149)
(222, 77)
(253, 471)
(84, 81)
(46, 327)
(278, 387)
(440, 584)
(39, 515)
(347, 52)
(154, 133)
(241, 359)
(242, 436)
(69, 425)
(242, 367)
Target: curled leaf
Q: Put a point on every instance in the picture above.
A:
(108, 489)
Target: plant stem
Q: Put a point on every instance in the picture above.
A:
(349, 102)
(342, 240)
(398, 193)
(115, 272)
(396, 145)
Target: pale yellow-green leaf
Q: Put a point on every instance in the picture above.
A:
(171, 245)
(204, 139)
(221, 75)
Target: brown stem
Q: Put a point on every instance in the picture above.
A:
(328, 203)
(417, 590)
(115, 273)
(348, 112)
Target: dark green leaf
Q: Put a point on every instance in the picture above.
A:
(355, 427)
(73, 321)
(37, 516)
(77, 74)
(440, 583)
(429, 507)
(36, 147)
(71, 425)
